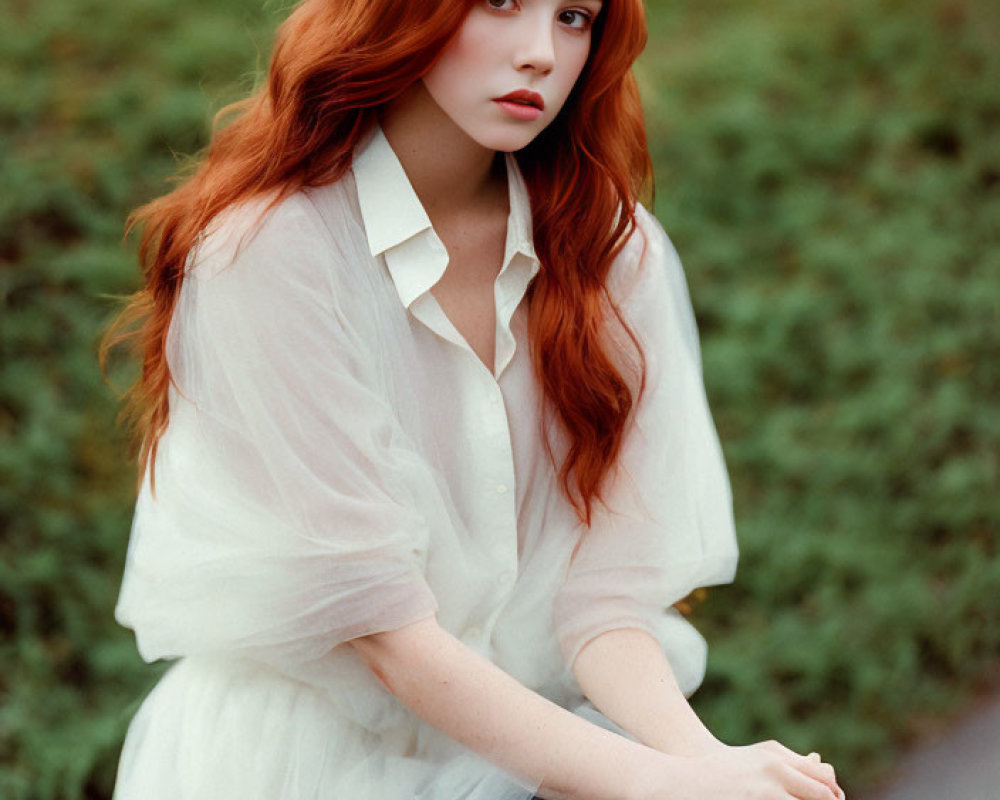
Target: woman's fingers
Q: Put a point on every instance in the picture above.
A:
(816, 769)
(804, 787)
(813, 766)
(824, 772)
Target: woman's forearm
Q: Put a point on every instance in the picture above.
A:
(452, 687)
(625, 674)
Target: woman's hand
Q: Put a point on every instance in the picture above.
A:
(763, 771)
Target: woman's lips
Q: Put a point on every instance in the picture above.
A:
(522, 104)
(519, 110)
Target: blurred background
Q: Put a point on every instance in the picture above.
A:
(830, 174)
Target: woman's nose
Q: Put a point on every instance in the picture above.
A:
(536, 45)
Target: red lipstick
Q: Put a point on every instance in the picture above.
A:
(522, 104)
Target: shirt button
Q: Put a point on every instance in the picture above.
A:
(501, 489)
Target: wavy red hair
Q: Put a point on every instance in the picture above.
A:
(335, 64)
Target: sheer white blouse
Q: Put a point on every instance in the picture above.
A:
(340, 462)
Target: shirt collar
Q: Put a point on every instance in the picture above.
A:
(393, 215)
(519, 231)
(390, 209)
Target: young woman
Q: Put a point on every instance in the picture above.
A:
(426, 452)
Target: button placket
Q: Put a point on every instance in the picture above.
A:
(498, 521)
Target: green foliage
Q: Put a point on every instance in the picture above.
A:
(834, 191)
(829, 174)
(95, 98)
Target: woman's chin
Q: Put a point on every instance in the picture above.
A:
(510, 140)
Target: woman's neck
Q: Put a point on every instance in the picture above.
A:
(449, 171)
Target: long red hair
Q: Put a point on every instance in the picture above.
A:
(335, 64)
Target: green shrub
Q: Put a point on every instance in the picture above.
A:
(833, 191)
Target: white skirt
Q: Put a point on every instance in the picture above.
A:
(231, 729)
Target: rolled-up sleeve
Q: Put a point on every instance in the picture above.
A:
(667, 527)
(286, 517)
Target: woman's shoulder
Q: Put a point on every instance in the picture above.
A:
(294, 229)
(645, 257)
(651, 285)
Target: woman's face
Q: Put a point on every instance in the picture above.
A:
(536, 48)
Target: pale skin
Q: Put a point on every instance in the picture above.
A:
(466, 198)
(452, 165)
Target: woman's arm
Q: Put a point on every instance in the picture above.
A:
(454, 688)
(627, 677)
(473, 701)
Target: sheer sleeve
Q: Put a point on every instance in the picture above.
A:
(286, 516)
(668, 525)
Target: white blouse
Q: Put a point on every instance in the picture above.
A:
(340, 462)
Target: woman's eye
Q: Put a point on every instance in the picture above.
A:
(500, 5)
(576, 18)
